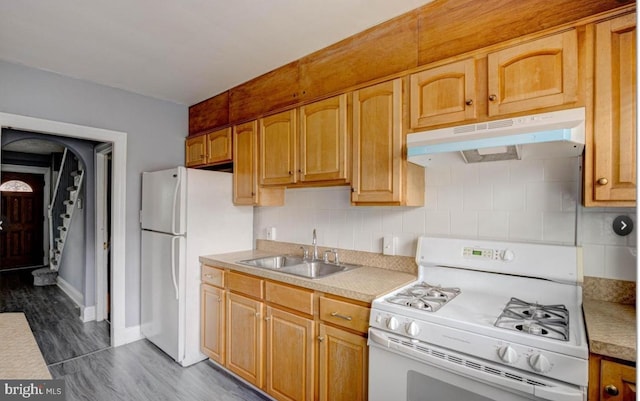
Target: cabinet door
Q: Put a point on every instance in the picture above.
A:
(445, 94)
(212, 322)
(277, 139)
(614, 130)
(323, 140)
(377, 143)
(219, 146)
(244, 338)
(534, 75)
(245, 163)
(617, 381)
(195, 151)
(343, 365)
(290, 356)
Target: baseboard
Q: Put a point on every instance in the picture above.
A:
(126, 335)
(75, 295)
(87, 313)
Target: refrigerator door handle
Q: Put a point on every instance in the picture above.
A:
(174, 210)
(173, 263)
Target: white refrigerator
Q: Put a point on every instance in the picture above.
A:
(185, 213)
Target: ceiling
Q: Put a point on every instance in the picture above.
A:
(183, 51)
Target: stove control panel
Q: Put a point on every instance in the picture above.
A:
(504, 255)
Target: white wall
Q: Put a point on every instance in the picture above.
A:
(526, 200)
(155, 129)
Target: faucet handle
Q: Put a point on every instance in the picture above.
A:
(305, 253)
(335, 256)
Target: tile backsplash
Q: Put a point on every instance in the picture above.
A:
(524, 200)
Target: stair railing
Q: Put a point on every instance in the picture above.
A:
(52, 203)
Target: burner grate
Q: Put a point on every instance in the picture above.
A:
(424, 296)
(550, 321)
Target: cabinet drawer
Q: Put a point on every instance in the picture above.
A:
(213, 276)
(344, 314)
(248, 285)
(297, 299)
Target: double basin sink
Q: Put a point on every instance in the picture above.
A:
(298, 266)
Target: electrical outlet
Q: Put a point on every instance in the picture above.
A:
(271, 233)
(389, 245)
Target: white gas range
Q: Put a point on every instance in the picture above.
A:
(484, 321)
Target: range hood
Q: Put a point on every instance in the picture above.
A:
(547, 135)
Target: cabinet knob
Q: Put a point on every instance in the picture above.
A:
(290, 173)
(611, 389)
(603, 181)
(493, 98)
(469, 102)
(321, 338)
(267, 318)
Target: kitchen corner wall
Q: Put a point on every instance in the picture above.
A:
(525, 200)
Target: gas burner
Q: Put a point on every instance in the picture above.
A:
(550, 321)
(424, 296)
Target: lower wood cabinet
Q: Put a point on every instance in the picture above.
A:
(293, 343)
(213, 322)
(290, 356)
(342, 365)
(245, 349)
(611, 380)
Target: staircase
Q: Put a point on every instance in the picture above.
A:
(63, 205)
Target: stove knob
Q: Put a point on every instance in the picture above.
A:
(539, 363)
(507, 354)
(392, 323)
(507, 255)
(412, 329)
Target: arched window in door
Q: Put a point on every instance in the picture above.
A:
(15, 186)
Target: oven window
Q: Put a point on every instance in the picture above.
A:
(424, 388)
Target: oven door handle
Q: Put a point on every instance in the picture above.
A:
(558, 393)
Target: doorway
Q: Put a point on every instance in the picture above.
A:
(21, 239)
(120, 334)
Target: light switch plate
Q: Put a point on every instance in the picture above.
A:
(271, 233)
(389, 245)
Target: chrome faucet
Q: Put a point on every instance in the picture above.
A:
(315, 245)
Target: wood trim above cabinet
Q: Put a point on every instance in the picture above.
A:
(209, 114)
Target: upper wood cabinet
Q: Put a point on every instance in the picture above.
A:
(246, 190)
(219, 146)
(534, 75)
(245, 165)
(195, 151)
(381, 174)
(445, 94)
(323, 140)
(610, 158)
(304, 145)
(212, 148)
(277, 143)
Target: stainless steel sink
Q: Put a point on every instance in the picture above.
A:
(273, 262)
(316, 269)
(297, 266)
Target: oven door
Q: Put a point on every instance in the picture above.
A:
(404, 369)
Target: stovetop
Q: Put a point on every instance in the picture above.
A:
(423, 296)
(532, 318)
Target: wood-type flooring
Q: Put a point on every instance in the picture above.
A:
(80, 354)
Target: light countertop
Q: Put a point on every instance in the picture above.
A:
(611, 328)
(362, 284)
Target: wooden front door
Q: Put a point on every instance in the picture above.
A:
(21, 242)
